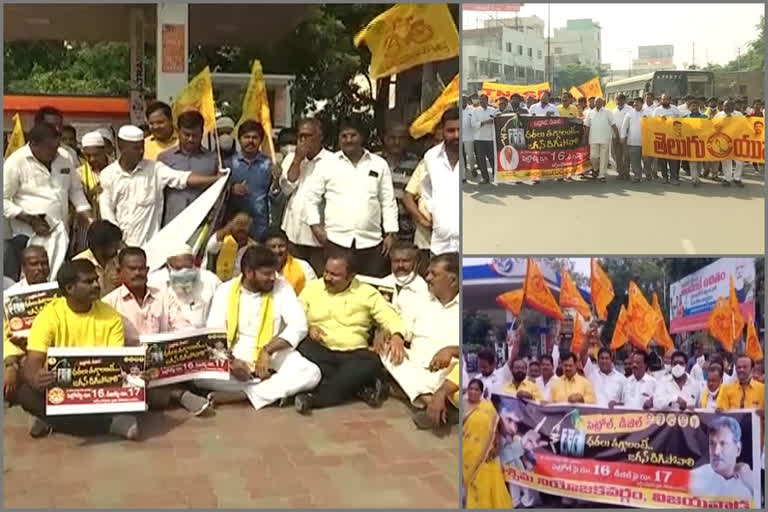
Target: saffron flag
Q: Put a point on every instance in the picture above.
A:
(753, 349)
(495, 90)
(601, 289)
(570, 297)
(720, 324)
(662, 336)
(642, 319)
(426, 122)
(408, 35)
(738, 318)
(16, 140)
(576, 93)
(577, 342)
(592, 89)
(256, 107)
(619, 338)
(511, 301)
(197, 95)
(536, 292)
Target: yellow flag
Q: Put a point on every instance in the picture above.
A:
(611, 105)
(408, 35)
(426, 122)
(17, 137)
(256, 107)
(592, 88)
(197, 95)
(575, 93)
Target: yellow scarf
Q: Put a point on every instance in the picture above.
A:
(294, 274)
(225, 262)
(266, 316)
(91, 185)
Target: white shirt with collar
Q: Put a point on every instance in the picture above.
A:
(290, 322)
(735, 113)
(480, 115)
(434, 328)
(667, 393)
(134, 200)
(187, 311)
(467, 132)
(294, 220)
(670, 111)
(408, 299)
(537, 109)
(495, 381)
(704, 481)
(600, 123)
(635, 392)
(359, 199)
(441, 190)
(30, 188)
(545, 388)
(607, 387)
(632, 127)
(620, 113)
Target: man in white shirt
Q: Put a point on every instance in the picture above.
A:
(670, 169)
(619, 150)
(732, 169)
(483, 134)
(265, 366)
(298, 167)
(40, 181)
(639, 388)
(467, 137)
(434, 346)
(410, 288)
(359, 196)
(547, 377)
(544, 107)
(631, 134)
(35, 268)
(133, 187)
(441, 187)
(650, 164)
(189, 289)
(677, 391)
(711, 388)
(724, 475)
(600, 128)
(606, 381)
(492, 378)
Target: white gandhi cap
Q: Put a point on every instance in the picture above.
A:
(92, 139)
(180, 249)
(131, 133)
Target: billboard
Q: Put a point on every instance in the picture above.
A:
(692, 298)
(659, 51)
(492, 7)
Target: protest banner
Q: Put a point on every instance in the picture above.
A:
(705, 140)
(21, 307)
(186, 355)
(693, 297)
(384, 286)
(494, 90)
(539, 148)
(96, 380)
(644, 459)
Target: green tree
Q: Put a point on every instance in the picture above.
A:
(572, 75)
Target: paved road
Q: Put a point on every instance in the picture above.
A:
(618, 217)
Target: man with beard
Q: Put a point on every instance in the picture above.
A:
(297, 272)
(640, 387)
(410, 288)
(442, 186)
(264, 323)
(190, 289)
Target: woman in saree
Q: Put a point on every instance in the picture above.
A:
(483, 480)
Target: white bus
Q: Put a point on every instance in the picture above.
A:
(677, 84)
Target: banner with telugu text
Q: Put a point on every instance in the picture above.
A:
(186, 355)
(494, 90)
(539, 148)
(705, 140)
(643, 459)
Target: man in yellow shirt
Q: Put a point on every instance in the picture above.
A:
(163, 136)
(520, 386)
(566, 107)
(743, 393)
(571, 387)
(77, 319)
(340, 313)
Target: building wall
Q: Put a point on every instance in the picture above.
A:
(579, 42)
(740, 83)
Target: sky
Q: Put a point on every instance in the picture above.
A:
(681, 25)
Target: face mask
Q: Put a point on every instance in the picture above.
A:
(678, 371)
(287, 149)
(184, 279)
(519, 376)
(475, 103)
(406, 279)
(226, 142)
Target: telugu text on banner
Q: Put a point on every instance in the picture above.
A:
(644, 459)
(705, 140)
(539, 148)
(187, 355)
(21, 307)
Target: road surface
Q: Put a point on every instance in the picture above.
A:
(615, 218)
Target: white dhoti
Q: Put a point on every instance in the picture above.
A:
(414, 376)
(55, 245)
(293, 374)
